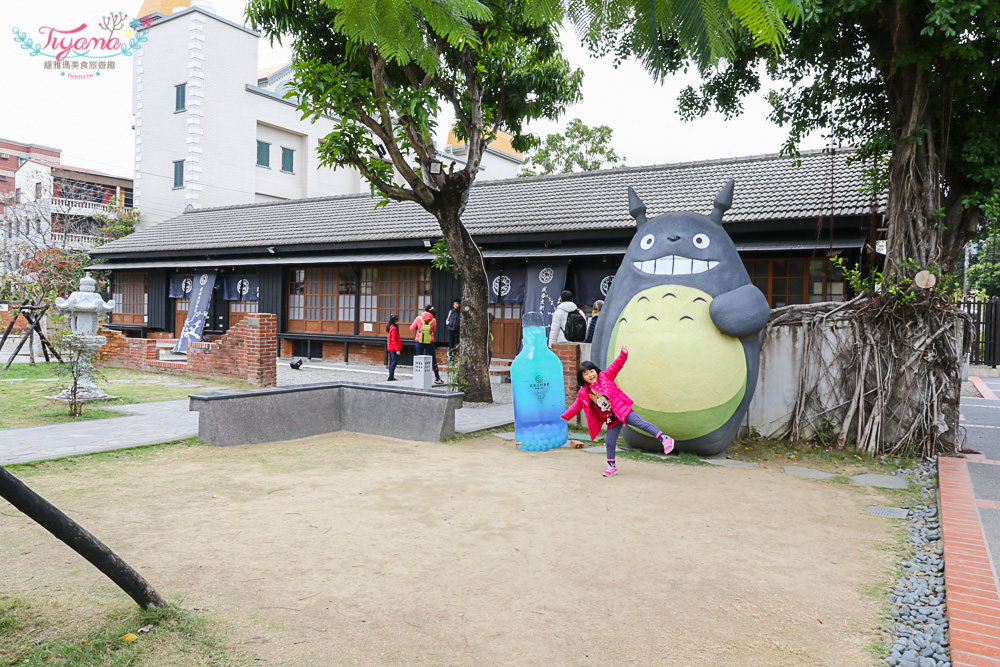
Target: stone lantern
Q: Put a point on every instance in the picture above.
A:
(86, 308)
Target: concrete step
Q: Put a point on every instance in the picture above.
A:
(168, 355)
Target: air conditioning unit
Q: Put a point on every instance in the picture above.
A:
(4, 156)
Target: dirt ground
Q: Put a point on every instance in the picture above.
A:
(359, 550)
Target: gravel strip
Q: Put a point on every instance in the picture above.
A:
(919, 618)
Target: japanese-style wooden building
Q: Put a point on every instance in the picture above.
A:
(334, 268)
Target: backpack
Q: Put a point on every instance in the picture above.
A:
(425, 332)
(576, 327)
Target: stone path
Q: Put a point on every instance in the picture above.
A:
(152, 423)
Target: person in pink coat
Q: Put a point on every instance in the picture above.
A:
(603, 402)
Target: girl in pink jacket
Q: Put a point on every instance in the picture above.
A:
(605, 403)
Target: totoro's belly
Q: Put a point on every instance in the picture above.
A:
(683, 374)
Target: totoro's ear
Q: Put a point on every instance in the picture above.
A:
(723, 202)
(636, 208)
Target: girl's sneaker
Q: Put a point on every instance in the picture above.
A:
(610, 471)
(667, 442)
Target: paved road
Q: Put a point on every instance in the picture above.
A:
(151, 423)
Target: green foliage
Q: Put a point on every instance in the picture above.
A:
(581, 148)
(826, 432)
(984, 275)
(399, 27)
(499, 72)
(661, 33)
(887, 77)
(441, 258)
(900, 284)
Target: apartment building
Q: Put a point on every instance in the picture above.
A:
(12, 155)
(57, 206)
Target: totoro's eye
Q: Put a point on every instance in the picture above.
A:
(647, 242)
(701, 241)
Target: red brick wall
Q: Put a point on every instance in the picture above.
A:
(570, 356)
(5, 317)
(247, 352)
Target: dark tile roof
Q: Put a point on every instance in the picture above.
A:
(768, 187)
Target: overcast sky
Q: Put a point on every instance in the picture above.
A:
(91, 119)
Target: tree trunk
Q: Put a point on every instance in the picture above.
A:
(915, 230)
(79, 540)
(475, 320)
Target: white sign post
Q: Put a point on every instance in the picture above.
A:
(423, 372)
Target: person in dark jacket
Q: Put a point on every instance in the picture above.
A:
(592, 325)
(454, 324)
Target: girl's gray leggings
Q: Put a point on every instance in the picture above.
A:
(633, 419)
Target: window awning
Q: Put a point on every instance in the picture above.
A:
(424, 255)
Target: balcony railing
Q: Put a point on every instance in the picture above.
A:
(66, 205)
(75, 241)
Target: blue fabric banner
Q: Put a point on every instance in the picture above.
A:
(506, 285)
(201, 297)
(240, 287)
(181, 285)
(545, 280)
(591, 285)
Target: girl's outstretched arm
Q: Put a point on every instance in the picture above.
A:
(617, 364)
(578, 405)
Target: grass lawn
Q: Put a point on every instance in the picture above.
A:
(23, 391)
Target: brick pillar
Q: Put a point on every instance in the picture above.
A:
(571, 354)
(260, 349)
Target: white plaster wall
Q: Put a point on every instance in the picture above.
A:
(160, 132)
(317, 181)
(271, 181)
(496, 167)
(777, 392)
(28, 175)
(220, 130)
(216, 134)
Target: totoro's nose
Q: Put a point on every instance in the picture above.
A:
(673, 238)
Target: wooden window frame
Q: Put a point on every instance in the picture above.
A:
(321, 300)
(126, 289)
(290, 154)
(370, 296)
(832, 281)
(403, 290)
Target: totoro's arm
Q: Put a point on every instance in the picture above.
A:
(740, 312)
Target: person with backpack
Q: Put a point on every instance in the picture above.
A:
(424, 326)
(569, 324)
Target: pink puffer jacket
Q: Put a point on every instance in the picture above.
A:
(621, 404)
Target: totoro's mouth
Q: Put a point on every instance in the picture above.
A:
(675, 265)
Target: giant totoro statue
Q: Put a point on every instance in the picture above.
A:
(683, 304)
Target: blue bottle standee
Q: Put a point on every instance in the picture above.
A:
(536, 377)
